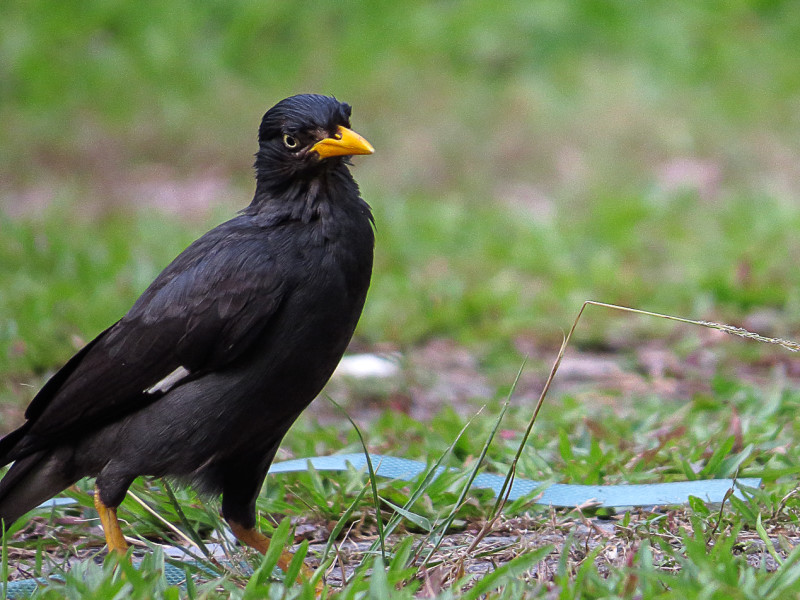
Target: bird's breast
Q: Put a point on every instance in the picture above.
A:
(307, 336)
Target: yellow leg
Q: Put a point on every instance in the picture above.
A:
(108, 519)
(260, 542)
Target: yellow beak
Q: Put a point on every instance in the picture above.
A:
(346, 142)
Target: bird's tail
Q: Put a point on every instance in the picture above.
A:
(30, 481)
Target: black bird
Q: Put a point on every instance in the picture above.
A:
(204, 375)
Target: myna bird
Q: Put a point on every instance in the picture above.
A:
(204, 375)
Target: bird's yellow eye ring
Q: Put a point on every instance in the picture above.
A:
(290, 141)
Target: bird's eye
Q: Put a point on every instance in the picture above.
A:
(290, 141)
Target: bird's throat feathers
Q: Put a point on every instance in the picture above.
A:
(304, 199)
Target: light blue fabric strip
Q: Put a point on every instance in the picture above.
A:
(555, 494)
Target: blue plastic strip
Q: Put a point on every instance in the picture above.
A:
(555, 494)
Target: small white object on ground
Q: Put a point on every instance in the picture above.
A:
(367, 366)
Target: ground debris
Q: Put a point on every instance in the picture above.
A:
(612, 546)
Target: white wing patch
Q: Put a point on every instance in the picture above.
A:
(168, 382)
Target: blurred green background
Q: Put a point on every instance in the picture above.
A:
(530, 155)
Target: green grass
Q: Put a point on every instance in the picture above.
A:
(530, 156)
(572, 442)
(478, 274)
(570, 99)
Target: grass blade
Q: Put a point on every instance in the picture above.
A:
(375, 497)
(337, 529)
(445, 525)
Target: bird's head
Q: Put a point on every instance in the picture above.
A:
(304, 135)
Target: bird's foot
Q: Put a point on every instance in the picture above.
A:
(260, 542)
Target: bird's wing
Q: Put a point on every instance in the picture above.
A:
(199, 315)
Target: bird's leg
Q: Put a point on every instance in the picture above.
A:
(108, 519)
(258, 541)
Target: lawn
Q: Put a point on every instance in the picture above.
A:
(530, 156)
